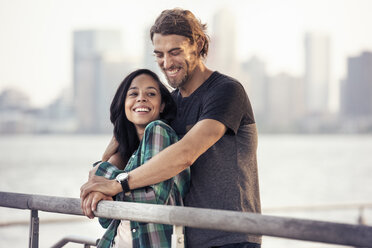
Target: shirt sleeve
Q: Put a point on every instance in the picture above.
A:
(109, 171)
(227, 102)
(157, 137)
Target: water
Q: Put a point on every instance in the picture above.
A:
(294, 170)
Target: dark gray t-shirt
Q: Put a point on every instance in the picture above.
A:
(225, 176)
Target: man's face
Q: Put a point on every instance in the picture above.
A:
(176, 57)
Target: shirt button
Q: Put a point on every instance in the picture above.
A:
(134, 230)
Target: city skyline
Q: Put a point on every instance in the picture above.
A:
(281, 102)
(37, 38)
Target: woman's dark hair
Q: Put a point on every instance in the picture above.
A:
(181, 22)
(124, 130)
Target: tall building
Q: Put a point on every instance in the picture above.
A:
(356, 90)
(317, 73)
(99, 68)
(254, 78)
(285, 104)
(222, 55)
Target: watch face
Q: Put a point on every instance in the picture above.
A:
(122, 176)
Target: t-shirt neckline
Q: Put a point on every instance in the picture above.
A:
(206, 82)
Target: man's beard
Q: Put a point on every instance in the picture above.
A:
(178, 83)
(182, 81)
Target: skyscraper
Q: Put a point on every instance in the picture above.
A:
(222, 55)
(317, 73)
(255, 80)
(356, 90)
(285, 102)
(98, 69)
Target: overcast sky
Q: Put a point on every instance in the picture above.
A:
(36, 36)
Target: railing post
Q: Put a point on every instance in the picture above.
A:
(34, 230)
(178, 240)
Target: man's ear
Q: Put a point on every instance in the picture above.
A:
(200, 44)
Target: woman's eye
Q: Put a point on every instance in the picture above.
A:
(132, 94)
(151, 94)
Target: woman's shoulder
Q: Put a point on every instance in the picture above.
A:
(157, 123)
(159, 126)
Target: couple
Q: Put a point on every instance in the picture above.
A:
(218, 139)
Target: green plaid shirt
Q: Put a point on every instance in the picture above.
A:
(157, 136)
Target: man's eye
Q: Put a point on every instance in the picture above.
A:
(158, 55)
(175, 53)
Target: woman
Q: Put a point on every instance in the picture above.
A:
(139, 110)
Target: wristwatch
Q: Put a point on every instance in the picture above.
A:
(122, 178)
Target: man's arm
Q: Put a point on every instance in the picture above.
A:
(178, 156)
(167, 163)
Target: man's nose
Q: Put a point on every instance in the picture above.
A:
(167, 62)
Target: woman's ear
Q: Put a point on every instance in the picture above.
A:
(162, 106)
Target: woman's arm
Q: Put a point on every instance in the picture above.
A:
(111, 149)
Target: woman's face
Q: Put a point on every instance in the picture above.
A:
(143, 102)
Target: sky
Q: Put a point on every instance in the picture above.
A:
(36, 36)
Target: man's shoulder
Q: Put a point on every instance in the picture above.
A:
(224, 86)
(219, 80)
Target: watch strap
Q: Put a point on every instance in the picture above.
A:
(125, 185)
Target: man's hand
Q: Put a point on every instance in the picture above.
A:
(89, 203)
(111, 149)
(100, 184)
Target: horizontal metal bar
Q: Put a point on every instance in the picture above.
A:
(75, 239)
(310, 208)
(291, 228)
(43, 221)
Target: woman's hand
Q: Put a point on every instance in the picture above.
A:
(111, 149)
(92, 171)
(89, 203)
(100, 184)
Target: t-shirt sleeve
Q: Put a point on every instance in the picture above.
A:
(227, 103)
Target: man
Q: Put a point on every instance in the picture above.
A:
(217, 129)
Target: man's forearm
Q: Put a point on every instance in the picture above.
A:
(178, 156)
(166, 164)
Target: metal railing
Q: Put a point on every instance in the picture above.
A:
(232, 221)
(87, 242)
